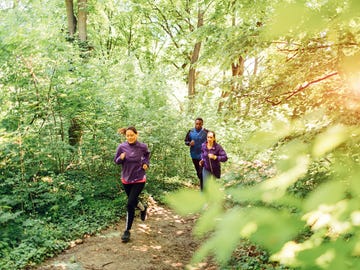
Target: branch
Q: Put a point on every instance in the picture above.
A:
(28, 64)
(320, 47)
(300, 89)
(166, 27)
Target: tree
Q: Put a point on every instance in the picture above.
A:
(82, 16)
(179, 22)
(79, 23)
(194, 58)
(303, 214)
(71, 19)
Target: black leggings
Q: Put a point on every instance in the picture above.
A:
(132, 191)
(198, 169)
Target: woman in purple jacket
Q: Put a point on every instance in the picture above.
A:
(212, 154)
(133, 156)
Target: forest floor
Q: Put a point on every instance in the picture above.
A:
(163, 241)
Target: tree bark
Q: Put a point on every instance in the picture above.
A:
(75, 132)
(71, 19)
(82, 17)
(194, 58)
(237, 70)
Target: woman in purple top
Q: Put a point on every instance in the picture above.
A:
(212, 154)
(133, 156)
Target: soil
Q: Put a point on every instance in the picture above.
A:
(163, 241)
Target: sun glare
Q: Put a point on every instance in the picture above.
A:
(354, 82)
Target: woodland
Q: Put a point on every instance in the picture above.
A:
(277, 80)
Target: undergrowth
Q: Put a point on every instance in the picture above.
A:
(53, 210)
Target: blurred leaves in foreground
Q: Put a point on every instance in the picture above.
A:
(317, 231)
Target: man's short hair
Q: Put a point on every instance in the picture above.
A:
(200, 119)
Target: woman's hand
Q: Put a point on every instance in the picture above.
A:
(212, 156)
(201, 163)
(122, 156)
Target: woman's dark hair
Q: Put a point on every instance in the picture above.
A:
(212, 133)
(121, 131)
(133, 129)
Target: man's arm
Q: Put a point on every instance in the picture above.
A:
(187, 138)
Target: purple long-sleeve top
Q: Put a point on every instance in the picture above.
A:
(137, 154)
(212, 165)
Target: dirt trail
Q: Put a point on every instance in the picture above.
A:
(163, 241)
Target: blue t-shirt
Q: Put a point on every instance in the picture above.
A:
(199, 137)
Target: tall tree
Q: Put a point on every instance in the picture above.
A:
(71, 19)
(178, 22)
(77, 23)
(82, 18)
(194, 57)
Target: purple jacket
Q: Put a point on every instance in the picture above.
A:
(212, 165)
(137, 155)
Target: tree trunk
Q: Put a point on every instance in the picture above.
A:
(256, 64)
(194, 58)
(75, 132)
(237, 70)
(71, 19)
(192, 71)
(82, 16)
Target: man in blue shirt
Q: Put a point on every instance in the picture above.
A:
(194, 138)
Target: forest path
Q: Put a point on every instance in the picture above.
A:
(164, 241)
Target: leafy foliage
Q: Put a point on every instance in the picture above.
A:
(288, 122)
(272, 215)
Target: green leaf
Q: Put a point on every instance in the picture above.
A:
(263, 139)
(349, 64)
(288, 154)
(204, 250)
(289, 201)
(186, 201)
(273, 228)
(267, 227)
(329, 140)
(249, 194)
(227, 235)
(8, 216)
(326, 194)
(353, 179)
(273, 189)
(192, 201)
(225, 239)
(214, 192)
(287, 17)
(208, 219)
(332, 255)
